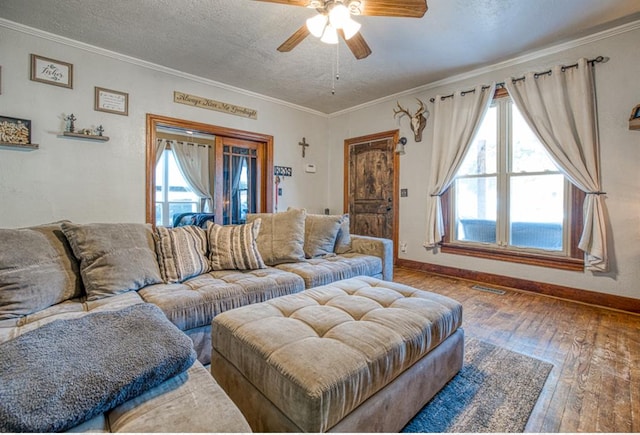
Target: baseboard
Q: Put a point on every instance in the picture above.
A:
(621, 303)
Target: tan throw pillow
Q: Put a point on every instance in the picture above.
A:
(182, 252)
(281, 237)
(343, 239)
(320, 232)
(114, 258)
(37, 270)
(233, 247)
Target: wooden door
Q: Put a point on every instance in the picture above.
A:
(371, 185)
(239, 179)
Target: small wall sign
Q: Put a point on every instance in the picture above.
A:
(106, 100)
(51, 71)
(219, 106)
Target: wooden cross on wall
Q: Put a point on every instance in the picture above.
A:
(304, 146)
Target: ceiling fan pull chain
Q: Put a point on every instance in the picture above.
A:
(333, 79)
(337, 61)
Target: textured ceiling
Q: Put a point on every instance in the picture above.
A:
(234, 41)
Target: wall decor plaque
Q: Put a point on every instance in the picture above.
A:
(206, 103)
(51, 71)
(107, 100)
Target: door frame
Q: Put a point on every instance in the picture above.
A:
(391, 134)
(153, 121)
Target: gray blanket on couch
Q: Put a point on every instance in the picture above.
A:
(68, 371)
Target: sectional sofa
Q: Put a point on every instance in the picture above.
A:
(98, 315)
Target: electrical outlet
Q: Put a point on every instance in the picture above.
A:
(404, 193)
(403, 247)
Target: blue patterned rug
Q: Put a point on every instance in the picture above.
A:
(495, 391)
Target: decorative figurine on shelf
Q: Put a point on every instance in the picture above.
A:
(70, 123)
(100, 130)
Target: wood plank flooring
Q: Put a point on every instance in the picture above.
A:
(595, 383)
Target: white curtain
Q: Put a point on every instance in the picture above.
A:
(160, 146)
(193, 162)
(560, 108)
(455, 122)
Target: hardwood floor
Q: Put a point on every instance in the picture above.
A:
(595, 383)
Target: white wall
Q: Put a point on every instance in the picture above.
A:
(87, 181)
(105, 182)
(618, 91)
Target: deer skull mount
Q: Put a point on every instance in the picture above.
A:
(418, 120)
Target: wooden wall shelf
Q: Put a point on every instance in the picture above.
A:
(86, 136)
(24, 146)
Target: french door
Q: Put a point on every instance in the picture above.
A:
(241, 166)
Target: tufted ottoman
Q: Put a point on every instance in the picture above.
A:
(358, 355)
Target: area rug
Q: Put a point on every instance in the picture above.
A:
(495, 391)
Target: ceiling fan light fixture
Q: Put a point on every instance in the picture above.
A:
(355, 7)
(350, 28)
(330, 35)
(339, 15)
(317, 24)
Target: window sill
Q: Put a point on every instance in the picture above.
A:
(513, 256)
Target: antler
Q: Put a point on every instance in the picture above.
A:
(421, 109)
(403, 111)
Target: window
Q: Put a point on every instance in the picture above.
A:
(173, 194)
(509, 200)
(240, 183)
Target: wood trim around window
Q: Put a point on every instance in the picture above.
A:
(573, 262)
(153, 121)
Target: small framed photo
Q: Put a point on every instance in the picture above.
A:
(107, 100)
(635, 113)
(51, 71)
(15, 131)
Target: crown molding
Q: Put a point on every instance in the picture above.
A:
(628, 27)
(148, 65)
(634, 25)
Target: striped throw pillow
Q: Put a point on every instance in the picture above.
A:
(233, 247)
(182, 252)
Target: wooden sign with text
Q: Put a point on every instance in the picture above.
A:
(206, 103)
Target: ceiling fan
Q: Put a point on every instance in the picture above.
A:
(334, 20)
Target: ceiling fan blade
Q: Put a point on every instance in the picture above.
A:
(294, 39)
(304, 3)
(391, 8)
(357, 45)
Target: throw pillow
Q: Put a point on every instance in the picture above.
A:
(343, 240)
(233, 247)
(281, 237)
(320, 232)
(37, 270)
(182, 252)
(114, 258)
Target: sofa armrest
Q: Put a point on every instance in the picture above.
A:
(379, 247)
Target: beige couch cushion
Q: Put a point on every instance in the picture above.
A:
(37, 270)
(319, 354)
(343, 239)
(114, 258)
(233, 247)
(196, 301)
(320, 232)
(182, 252)
(281, 237)
(322, 271)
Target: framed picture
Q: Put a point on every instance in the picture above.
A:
(107, 100)
(635, 113)
(51, 71)
(15, 131)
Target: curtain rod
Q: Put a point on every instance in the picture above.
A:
(536, 75)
